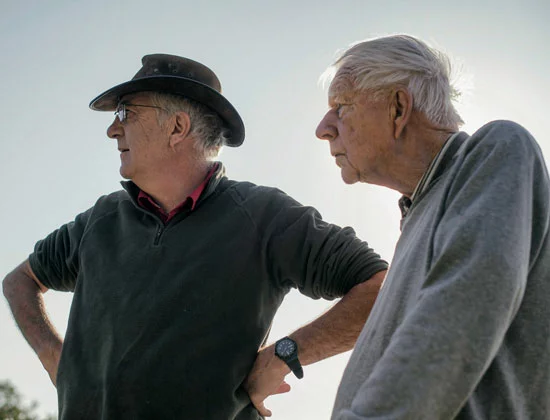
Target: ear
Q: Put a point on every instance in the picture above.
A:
(179, 127)
(401, 110)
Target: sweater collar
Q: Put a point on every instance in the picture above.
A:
(133, 190)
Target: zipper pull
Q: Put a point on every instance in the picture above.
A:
(157, 235)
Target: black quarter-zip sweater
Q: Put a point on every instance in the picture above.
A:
(166, 320)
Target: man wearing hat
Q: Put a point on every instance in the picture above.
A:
(177, 278)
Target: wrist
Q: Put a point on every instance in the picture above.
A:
(286, 349)
(279, 365)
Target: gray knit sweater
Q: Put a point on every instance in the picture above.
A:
(461, 328)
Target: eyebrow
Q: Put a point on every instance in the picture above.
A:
(335, 100)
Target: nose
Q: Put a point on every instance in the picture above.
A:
(115, 130)
(326, 129)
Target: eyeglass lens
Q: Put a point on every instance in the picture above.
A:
(121, 112)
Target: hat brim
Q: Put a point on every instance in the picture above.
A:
(174, 85)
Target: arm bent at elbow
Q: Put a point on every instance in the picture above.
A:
(23, 292)
(332, 333)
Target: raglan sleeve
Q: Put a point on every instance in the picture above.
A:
(55, 259)
(320, 259)
(482, 251)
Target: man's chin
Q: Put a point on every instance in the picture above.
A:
(124, 174)
(349, 178)
(350, 181)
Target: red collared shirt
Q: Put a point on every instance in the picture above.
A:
(147, 202)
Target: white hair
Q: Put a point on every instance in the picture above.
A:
(206, 125)
(380, 64)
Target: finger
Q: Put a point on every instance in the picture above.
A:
(262, 409)
(284, 387)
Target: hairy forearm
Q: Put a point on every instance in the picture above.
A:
(27, 305)
(336, 331)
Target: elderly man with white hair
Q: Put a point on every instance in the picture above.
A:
(461, 325)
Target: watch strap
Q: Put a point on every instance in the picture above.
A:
(296, 367)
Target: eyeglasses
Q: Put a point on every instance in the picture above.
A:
(122, 113)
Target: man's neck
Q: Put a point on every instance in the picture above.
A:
(421, 145)
(170, 188)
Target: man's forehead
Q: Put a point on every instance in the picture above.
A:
(341, 87)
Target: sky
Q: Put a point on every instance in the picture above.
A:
(55, 159)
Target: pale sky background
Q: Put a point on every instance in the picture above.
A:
(55, 159)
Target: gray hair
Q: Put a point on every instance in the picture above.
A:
(379, 64)
(206, 125)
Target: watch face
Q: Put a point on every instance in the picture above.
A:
(285, 348)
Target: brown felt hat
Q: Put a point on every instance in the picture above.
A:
(178, 76)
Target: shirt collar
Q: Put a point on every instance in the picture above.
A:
(432, 169)
(147, 202)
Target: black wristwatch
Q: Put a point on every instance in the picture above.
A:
(286, 349)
